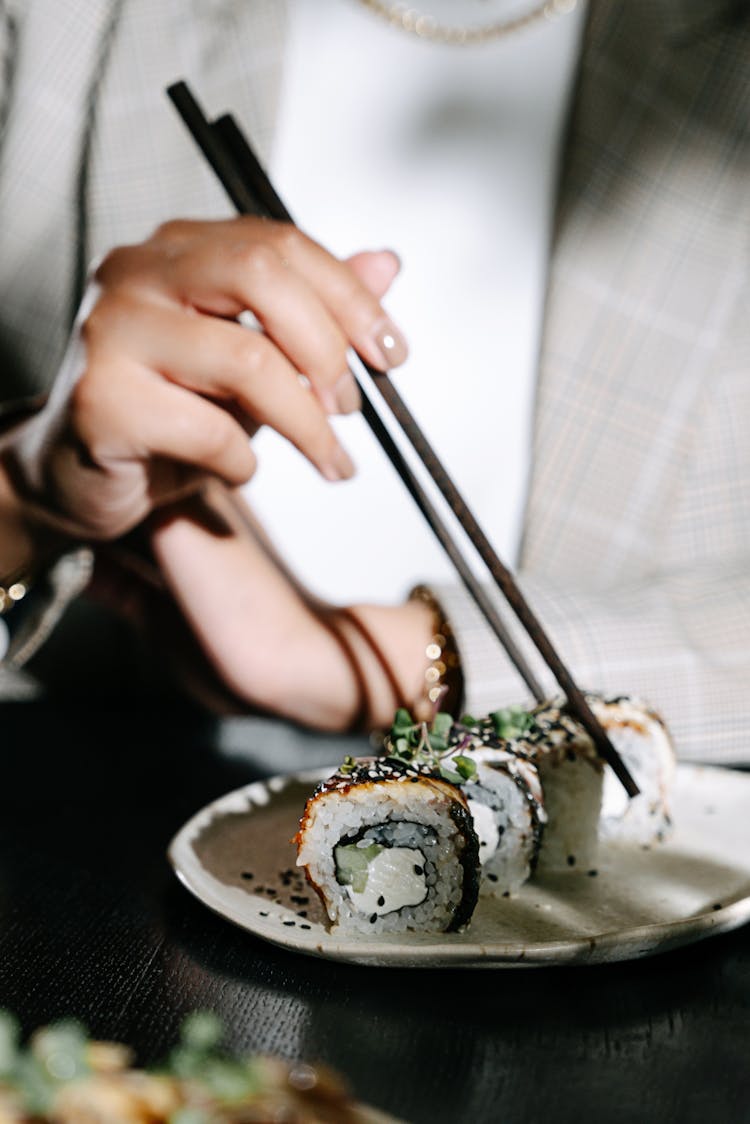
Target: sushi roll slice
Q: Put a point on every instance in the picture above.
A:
(572, 776)
(641, 738)
(506, 802)
(390, 848)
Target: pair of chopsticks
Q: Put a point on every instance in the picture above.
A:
(251, 192)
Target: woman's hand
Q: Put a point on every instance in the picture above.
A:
(172, 385)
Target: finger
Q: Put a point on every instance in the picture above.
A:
(377, 270)
(239, 249)
(290, 311)
(361, 316)
(124, 412)
(225, 361)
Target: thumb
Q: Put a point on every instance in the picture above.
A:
(376, 269)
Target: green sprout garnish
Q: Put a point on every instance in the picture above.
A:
(58, 1054)
(198, 1057)
(10, 1036)
(465, 767)
(417, 743)
(511, 722)
(348, 766)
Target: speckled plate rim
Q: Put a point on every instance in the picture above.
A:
(444, 950)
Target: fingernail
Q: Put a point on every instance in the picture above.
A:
(340, 466)
(341, 398)
(346, 393)
(390, 343)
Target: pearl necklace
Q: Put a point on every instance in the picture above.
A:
(414, 22)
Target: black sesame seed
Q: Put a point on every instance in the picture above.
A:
(304, 926)
(717, 905)
(571, 860)
(506, 893)
(300, 899)
(592, 873)
(492, 877)
(302, 913)
(263, 913)
(418, 869)
(288, 922)
(500, 829)
(381, 900)
(373, 919)
(248, 874)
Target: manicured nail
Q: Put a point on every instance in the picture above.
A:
(390, 343)
(340, 466)
(341, 398)
(347, 394)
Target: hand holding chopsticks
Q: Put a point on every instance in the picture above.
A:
(251, 191)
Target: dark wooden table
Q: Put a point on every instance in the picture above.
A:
(93, 924)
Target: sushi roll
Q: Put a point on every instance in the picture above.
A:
(641, 738)
(572, 777)
(505, 798)
(499, 781)
(390, 847)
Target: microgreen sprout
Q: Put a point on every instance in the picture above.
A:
(416, 743)
(199, 1057)
(511, 722)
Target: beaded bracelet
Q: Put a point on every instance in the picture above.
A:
(15, 589)
(443, 678)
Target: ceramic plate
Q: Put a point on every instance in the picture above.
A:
(236, 856)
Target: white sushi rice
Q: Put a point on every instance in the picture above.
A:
(642, 740)
(417, 814)
(573, 797)
(572, 776)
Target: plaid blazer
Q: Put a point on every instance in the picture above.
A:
(637, 533)
(636, 551)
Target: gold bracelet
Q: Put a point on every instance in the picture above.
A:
(15, 589)
(443, 679)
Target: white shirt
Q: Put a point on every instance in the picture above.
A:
(449, 156)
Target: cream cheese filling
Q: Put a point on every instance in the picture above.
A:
(485, 826)
(395, 878)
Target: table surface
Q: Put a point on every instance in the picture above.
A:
(93, 924)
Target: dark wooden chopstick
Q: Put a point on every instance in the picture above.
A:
(249, 188)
